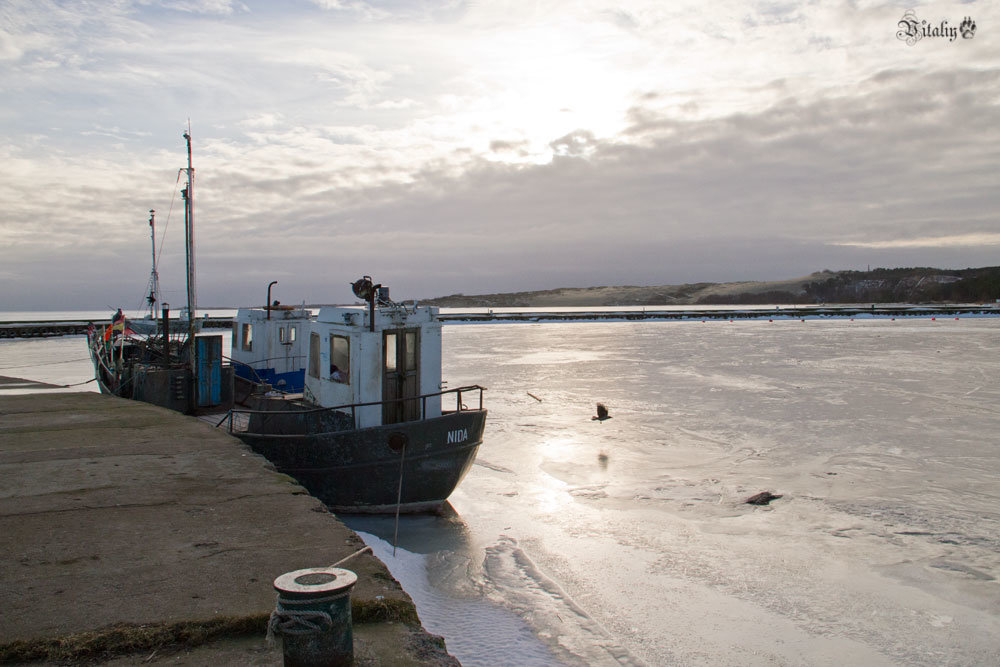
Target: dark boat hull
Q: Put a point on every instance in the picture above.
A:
(359, 470)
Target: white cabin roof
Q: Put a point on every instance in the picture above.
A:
(386, 317)
(279, 313)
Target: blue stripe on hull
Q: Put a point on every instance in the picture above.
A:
(294, 381)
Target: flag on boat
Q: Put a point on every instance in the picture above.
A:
(118, 326)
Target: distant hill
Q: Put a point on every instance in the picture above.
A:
(912, 285)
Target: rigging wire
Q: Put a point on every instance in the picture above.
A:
(173, 198)
(159, 250)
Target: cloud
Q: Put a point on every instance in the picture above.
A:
(9, 49)
(218, 7)
(262, 121)
(771, 194)
(578, 143)
(953, 241)
(480, 147)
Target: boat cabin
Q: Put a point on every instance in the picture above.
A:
(269, 346)
(370, 413)
(383, 364)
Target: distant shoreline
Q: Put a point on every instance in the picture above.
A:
(69, 327)
(703, 314)
(877, 286)
(883, 288)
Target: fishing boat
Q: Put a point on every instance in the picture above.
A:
(349, 401)
(158, 361)
(373, 429)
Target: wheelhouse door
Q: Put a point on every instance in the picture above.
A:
(401, 373)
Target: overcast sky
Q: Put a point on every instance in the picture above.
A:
(448, 146)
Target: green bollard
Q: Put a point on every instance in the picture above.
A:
(313, 617)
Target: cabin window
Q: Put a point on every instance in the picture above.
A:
(291, 333)
(281, 334)
(390, 352)
(314, 355)
(247, 337)
(340, 359)
(411, 351)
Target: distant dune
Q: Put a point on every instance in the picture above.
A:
(630, 295)
(913, 285)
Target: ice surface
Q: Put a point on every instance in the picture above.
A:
(58, 361)
(628, 540)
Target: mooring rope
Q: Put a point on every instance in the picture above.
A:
(47, 363)
(77, 384)
(297, 622)
(289, 621)
(399, 498)
(356, 553)
(63, 386)
(228, 415)
(285, 621)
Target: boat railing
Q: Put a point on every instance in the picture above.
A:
(97, 350)
(242, 364)
(291, 358)
(239, 419)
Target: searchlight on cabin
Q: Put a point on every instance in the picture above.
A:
(363, 288)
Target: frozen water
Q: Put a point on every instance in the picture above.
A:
(478, 632)
(628, 541)
(58, 361)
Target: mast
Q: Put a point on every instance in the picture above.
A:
(188, 194)
(154, 278)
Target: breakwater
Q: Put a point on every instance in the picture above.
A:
(50, 328)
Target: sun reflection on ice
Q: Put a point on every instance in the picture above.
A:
(550, 493)
(559, 448)
(550, 496)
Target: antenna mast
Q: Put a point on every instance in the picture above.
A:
(154, 278)
(188, 194)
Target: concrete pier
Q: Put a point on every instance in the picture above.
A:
(135, 534)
